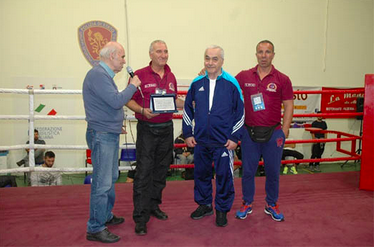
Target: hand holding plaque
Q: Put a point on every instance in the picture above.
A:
(163, 103)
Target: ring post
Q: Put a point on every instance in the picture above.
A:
(366, 180)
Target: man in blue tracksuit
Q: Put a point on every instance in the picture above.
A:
(215, 102)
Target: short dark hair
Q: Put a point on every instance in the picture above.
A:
(266, 41)
(36, 131)
(49, 154)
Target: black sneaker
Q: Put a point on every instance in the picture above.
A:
(104, 236)
(221, 218)
(201, 211)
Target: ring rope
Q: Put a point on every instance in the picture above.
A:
(31, 117)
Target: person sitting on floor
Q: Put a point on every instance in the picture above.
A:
(38, 152)
(289, 151)
(46, 178)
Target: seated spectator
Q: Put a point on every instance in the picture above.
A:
(46, 178)
(184, 155)
(38, 154)
(289, 152)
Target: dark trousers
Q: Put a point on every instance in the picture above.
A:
(316, 152)
(154, 156)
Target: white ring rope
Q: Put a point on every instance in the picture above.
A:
(39, 91)
(65, 147)
(31, 117)
(45, 169)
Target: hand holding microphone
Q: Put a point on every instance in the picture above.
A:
(134, 79)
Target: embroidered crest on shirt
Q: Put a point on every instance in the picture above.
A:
(201, 89)
(171, 87)
(150, 85)
(272, 87)
(249, 84)
(224, 154)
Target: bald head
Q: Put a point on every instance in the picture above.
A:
(111, 47)
(113, 54)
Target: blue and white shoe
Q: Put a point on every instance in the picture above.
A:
(245, 209)
(274, 211)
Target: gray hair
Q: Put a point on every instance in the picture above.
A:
(265, 41)
(216, 47)
(108, 49)
(154, 42)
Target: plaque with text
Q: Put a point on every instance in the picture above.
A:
(163, 103)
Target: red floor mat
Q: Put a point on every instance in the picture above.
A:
(324, 209)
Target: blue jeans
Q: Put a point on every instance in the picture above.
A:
(104, 154)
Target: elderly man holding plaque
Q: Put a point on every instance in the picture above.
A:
(153, 105)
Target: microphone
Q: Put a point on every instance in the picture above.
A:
(131, 73)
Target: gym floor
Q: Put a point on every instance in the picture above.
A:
(175, 174)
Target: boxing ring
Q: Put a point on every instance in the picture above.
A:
(340, 136)
(325, 209)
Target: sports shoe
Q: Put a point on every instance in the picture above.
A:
(285, 171)
(311, 168)
(293, 170)
(273, 210)
(245, 209)
(221, 218)
(317, 168)
(201, 211)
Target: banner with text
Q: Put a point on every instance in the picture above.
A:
(340, 102)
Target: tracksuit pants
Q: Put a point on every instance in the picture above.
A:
(271, 152)
(223, 164)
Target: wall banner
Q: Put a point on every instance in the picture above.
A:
(340, 102)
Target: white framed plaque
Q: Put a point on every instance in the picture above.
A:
(163, 103)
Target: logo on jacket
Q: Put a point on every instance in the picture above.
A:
(201, 89)
(224, 154)
(92, 36)
(271, 87)
(171, 87)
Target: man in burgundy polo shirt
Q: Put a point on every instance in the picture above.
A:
(154, 137)
(265, 89)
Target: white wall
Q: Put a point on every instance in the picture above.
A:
(317, 42)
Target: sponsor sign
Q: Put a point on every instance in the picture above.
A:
(340, 102)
